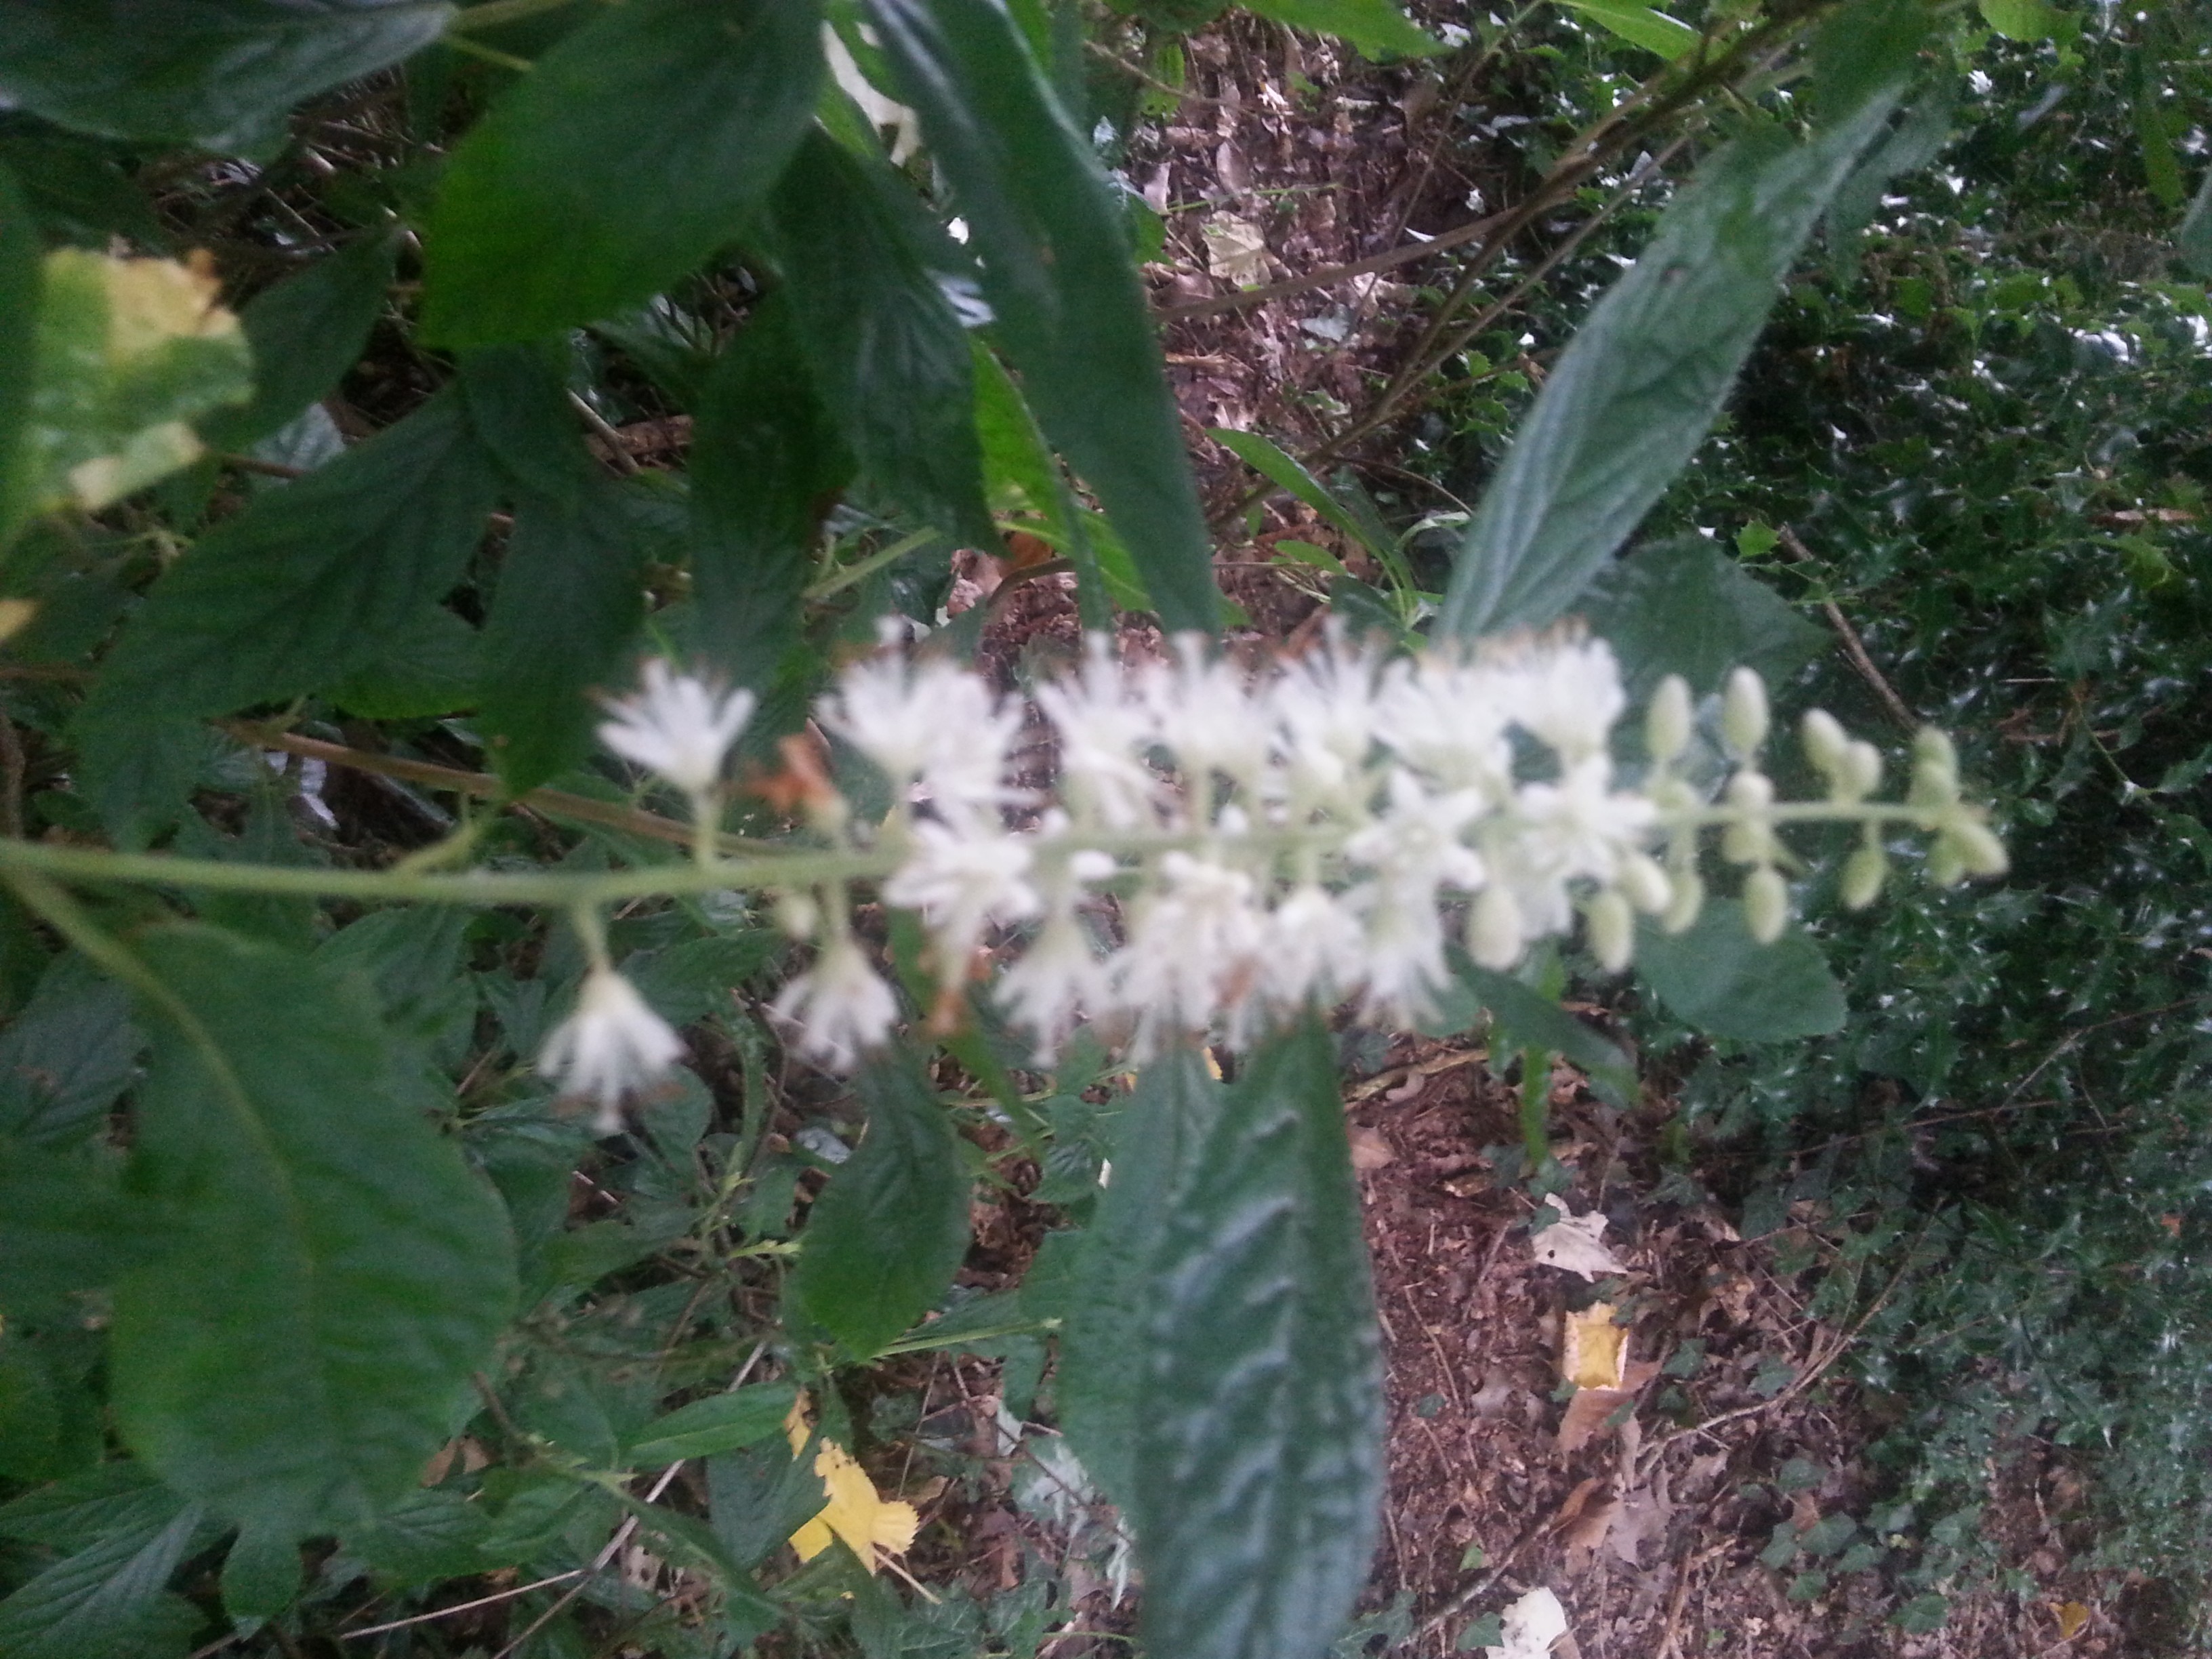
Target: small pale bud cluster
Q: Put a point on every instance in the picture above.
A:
(1221, 848)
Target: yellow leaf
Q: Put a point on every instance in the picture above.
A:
(857, 1513)
(1594, 1353)
(2071, 1616)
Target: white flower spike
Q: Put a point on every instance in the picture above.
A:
(679, 726)
(841, 1007)
(611, 1046)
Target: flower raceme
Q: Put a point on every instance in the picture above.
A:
(1221, 848)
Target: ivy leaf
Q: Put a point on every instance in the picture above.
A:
(221, 74)
(1057, 270)
(1258, 1448)
(888, 1232)
(339, 1271)
(630, 152)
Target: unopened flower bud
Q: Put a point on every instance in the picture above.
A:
(1861, 774)
(1689, 899)
(1934, 768)
(1946, 866)
(1667, 722)
(1864, 872)
(1825, 742)
(1979, 849)
(1751, 839)
(1612, 926)
(1645, 883)
(798, 915)
(1743, 714)
(1766, 904)
(1494, 929)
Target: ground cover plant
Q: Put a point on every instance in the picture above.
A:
(555, 993)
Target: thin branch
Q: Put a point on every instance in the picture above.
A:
(1855, 648)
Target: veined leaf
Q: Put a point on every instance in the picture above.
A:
(65, 1224)
(108, 1597)
(720, 1423)
(1259, 1439)
(888, 1232)
(1641, 383)
(1377, 28)
(339, 1271)
(1718, 979)
(767, 462)
(306, 332)
(1157, 1142)
(1284, 470)
(221, 74)
(1530, 1017)
(889, 356)
(630, 153)
(1057, 270)
(1640, 25)
(1683, 606)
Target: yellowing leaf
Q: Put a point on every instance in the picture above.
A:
(2071, 1616)
(130, 352)
(1592, 1350)
(857, 1513)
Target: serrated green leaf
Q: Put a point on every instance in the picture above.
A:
(339, 1270)
(1640, 25)
(221, 74)
(720, 1423)
(1258, 1448)
(885, 1237)
(19, 333)
(1717, 979)
(1377, 28)
(431, 665)
(305, 333)
(684, 983)
(2193, 240)
(571, 596)
(68, 1056)
(424, 1537)
(630, 153)
(312, 580)
(1157, 1140)
(107, 1598)
(1057, 270)
(890, 359)
(1643, 381)
(1683, 606)
(261, 1573)
(767, 461)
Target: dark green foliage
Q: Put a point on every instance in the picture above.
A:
(630, 153)
(306, 332)
(19, 288)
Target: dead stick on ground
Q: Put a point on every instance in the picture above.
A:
(1855, 648)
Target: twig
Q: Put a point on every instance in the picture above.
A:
(459, 1606)
(11, 779)
(616, 450)
(623, 1534)
(1328, 274)
(1854, 646)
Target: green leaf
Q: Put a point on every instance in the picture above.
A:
(2154, 132)
(431, 665)
(767, 461)
(221, 74)
(890, 359)
(886, 1236)
(79, 191)
(68, 1056)
(312, 580)
(130, 353)
(571, 596)
(720, 1423)
(2193, 240)
(424, 1537)
(1532, 1019)
(1157, 1142)
(1641, 383)
(1683, 606)
(1258, 1433)
(339, 1270)
(19, 331)
(1717, 978)
(1284, 470)
(630, 152)
(684, 983)
(1375, 28)
(2020, 20)
(107, 1598)
(1057, 270)
(306, 332)
(1640, 25)
(261, 1574)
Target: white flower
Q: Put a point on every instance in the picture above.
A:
(612, 1044)
(679, 726)
(1566, 692)
(1195, 948)
(1326, 707)
(1414, 843)
(841, 1005)
(1104, 735)
(933, 723)
(1207, 714)
(1314, 949)
(1057, 979)
(1576, 828)
(1446, 718)
(962, 883)
(1405, 951)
